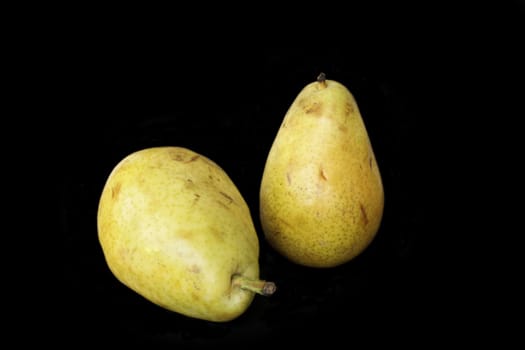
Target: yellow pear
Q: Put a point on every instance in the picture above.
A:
(321, 194)
(174, 228)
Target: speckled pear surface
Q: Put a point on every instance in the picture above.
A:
(321, 194)
(175, 229)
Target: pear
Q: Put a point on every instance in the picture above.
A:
(321, 193)
(174, 228)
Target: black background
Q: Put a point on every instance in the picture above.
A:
(227, 104)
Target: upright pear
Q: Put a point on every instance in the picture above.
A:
(321, 193)
(174, 228)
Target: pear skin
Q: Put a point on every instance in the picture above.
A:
(321, 194)
(174, 228)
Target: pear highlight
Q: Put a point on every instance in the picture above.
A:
(321, 194)
(174, 228)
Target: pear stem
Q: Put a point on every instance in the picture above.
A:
(321, 79)
(257, 286)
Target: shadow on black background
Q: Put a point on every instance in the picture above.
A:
(229, 108)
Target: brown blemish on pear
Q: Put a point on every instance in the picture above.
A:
(230, 199)
(322, 175)
(314, 109)
(349, 108)
(222, 204)
(363, 213)
(183, 157)
(196, 198)
(194, 269)
(115, 190)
